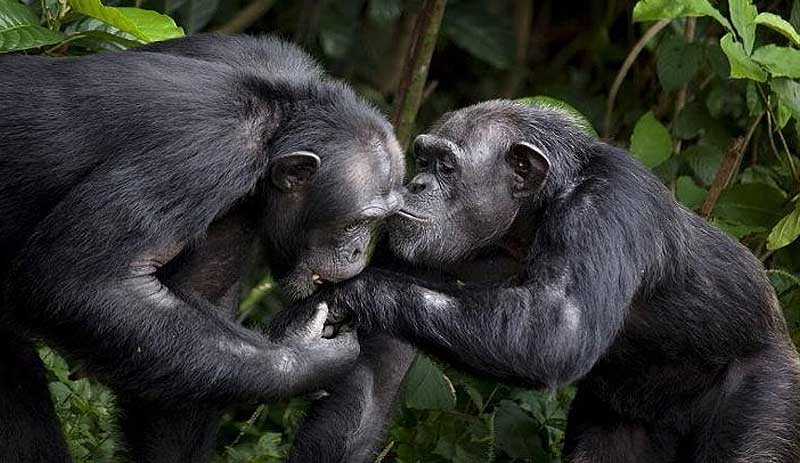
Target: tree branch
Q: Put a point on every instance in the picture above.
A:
(246, 17)
(415, 72)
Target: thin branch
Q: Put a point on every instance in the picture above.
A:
(728, 168)
(523, 17)
(415, 72)
(626, 66)
(246, 17)
(683, 93)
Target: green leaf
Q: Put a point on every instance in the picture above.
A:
(145, 25)
(653, 10)
(384, 11)
(650, 141)
(754, 104)
(743, 15)
(782, 116)
(704, 160)
(428, 388)
(788, 92)
(485, 36)
(779, 25)
(785, 231)
(20, 29)
(577, 117)
(688, 193)
(750, 204)
(194, 15)
(742, 67)
(99, 36)
(677, 62)
(779, 61)
(517, 432)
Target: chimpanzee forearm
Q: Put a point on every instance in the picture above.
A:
(349, 424)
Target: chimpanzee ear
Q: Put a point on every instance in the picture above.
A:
(293, 171)
(530, 167)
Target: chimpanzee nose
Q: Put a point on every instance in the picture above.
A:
(416, 188)
(355, 254)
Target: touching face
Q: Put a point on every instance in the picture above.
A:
(325, 201)
(474, 175)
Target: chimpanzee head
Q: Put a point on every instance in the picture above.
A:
(335, 171)
(478, 170)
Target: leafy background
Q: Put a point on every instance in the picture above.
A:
(705, 94)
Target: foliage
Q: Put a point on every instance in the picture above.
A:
(711, 103)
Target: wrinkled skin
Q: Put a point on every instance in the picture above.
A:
(619, 289)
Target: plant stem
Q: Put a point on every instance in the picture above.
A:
(626, 66)
(247, 17)
(523, 17)
(415, 71)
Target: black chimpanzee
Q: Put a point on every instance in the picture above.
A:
(134, 186)
(669, 327)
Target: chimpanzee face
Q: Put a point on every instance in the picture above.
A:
(473, 176)
(325, 197)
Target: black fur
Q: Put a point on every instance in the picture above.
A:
(669, 327)
(133, 187)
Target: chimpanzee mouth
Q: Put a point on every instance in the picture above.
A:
(411, 215)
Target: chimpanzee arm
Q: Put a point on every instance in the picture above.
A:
(86, 280)
(584, 269)
(349, 424)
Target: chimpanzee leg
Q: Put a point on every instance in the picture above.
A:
(29, 429)
(596, 434)
(186, 432)
(348, 426)
(748, 426)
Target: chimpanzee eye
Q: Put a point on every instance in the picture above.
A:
(446, 169)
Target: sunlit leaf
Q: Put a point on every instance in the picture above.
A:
(779, 25)
(650, 141)
(653, 10)
(20, 29)
(779, 61)
(743, 15)
(145, 25)
(742, 67)
(785, 231)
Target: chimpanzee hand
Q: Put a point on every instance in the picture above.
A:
(369, 301)
(322, 350)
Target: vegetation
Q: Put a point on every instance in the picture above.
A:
(707, 95)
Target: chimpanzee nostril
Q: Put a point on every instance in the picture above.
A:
(354, 255)
(416, 188)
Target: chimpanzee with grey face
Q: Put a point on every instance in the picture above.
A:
(134, 187)
(670, 328)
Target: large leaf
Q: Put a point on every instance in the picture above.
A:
(653, 10)
(650, 141)
(785, 231)
(789, 93)
(20, 30)
(145, 25)
(195, 14)
(779, 61)
(743, 15)
(751, 204)
(677, 62)
(779, 25)
(688, 193)
(428, 388)
(704, 160)
(742, 67)
(486, 37)
(517, 432)
(577, 117)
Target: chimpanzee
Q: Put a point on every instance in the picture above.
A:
(669, 327)
(134, 187)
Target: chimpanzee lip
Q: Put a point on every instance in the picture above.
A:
(412, 215)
